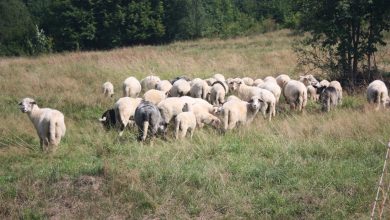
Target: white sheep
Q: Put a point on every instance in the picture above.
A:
(233, 97)
(200, 89)
(268, 102)
(164, 86)
(272, 87)
(180, 88)
(171, 107)
(131, 87)
(282, 79)
(258, 82)
(149, 82)
(210, 81)
(108, 89)
(192, 101)
(124, 111)
(203, 115)
(218, 91)
(154, 96)
(219, 77)
(185, 121)
(309, 80)
(248, 81)
(336, 84)
(270, 79)
(49, 123)
(312, 93)
(324, 83)
(295, 93)
(239, 112)
(377, 93)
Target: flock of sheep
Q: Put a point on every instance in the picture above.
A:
(194, 103)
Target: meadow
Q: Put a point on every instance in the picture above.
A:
(309, 165)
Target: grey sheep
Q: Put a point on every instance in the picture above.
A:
(148, 118)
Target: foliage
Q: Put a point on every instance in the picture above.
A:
(16, 27)
(344, 34)
(105, 24)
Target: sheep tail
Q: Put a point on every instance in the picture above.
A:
(145, 130)
(54, 132)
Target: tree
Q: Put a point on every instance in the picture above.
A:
(346, 33)
(16, 28)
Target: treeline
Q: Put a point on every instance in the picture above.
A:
(29, 27)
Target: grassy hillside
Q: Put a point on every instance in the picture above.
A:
(309, 165)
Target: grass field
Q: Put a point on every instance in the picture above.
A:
(299, 166)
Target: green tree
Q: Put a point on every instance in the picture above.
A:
(346, 33)
(16, 28)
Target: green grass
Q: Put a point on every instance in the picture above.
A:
(298, 166)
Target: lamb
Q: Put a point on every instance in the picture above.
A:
(339, 90)
(282, 79)
(258, 82)
(328, 97)
(124, 111)
(377, 93)
(248, 81)
(108, 119)
(108, 89)
(191, 100)
(272, 87)
(236, 111)
(312, 93)
(324, 83)
(180, 88)
(164, 86)
(185, 121)
(295, 93)
(131, 87)
(147, 117)
(200, 89)
(171, 107)
(218, 91)
(154, 96)
(49, 123)
(149, 82)
(203, 115)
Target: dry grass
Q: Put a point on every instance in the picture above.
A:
(309, 165)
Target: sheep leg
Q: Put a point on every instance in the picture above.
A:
(328, 105)
(121, 129)
(232, 124)
(274, 110)
(226, 120)
(177, 130)
(46, 144)
(192, 132)
(184, 131)
(292, 106)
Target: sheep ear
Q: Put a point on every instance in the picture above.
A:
(33, 103)
(260, 100)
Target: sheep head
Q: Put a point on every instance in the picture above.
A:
(26, 105)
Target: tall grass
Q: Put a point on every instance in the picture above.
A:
(309, 165)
